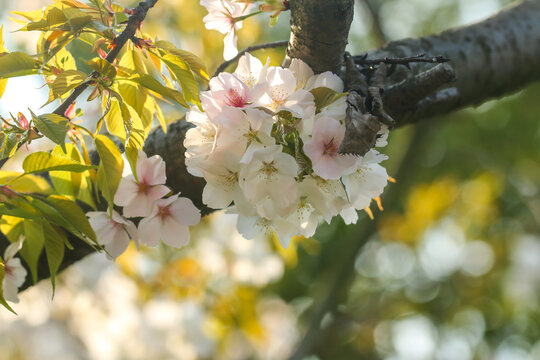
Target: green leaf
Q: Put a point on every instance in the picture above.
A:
(26, 184)
(152, 84)
(42, 161)
(14, 211)
(8, 145)
(3, 83)
(54, 127)
(54, 248)
(182, 72)
(195, 63)
(33, 245)
(65, 81)
(16, 64)
(103, 67)
(73, 213)
(110, 168)
(325, 96)
(2, 274)
(66, 182)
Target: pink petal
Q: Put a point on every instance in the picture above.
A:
(127, 190)
(185, 212)
(149, 230)
(174, 234)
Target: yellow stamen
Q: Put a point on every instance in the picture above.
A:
(379, 203)
(369, 212)
(392, 180)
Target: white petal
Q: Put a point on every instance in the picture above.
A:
(183, 210)
(149, 231)
(174, 233)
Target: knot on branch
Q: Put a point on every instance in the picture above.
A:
(371, 103)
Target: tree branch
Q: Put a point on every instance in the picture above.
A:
(134, 22)
(269, 45)
(492, 58)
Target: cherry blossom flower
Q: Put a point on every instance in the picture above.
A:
(15, 273)
(169, 221)
(280, 93)
(137, 196)
(302, 72)
(222, 16)
(367, 181)
(268, 181)
(323, 148)
(200, 141)
(251, 70)
(114, 233)
(226, 90)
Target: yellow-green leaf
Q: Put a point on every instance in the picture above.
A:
(43, 161)
(73, 213)
(325, 96)
(54, 127)
(8, 145)
(67, 182)
(152, 84)
(110, 168)
(183, 75)
(2, 274)
(26, 184)
(32, 245)
(195, 63)
(65, 81)
(16, 64)
(54, 248)
(103, 67)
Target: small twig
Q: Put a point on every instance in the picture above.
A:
(421, 58)
(133, 24)
(404, 96)
(269, 45)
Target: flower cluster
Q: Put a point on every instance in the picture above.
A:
(225, 16)
(268, 142)
(166, 219)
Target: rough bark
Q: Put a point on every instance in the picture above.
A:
(319, 32)
(491, 59)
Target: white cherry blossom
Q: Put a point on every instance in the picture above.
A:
(302, 72)
(268, 181)
(14, 272)
(251, 70)
(280, 93)
(114, 233)
(169, 221)
(200, 141)
(325, 79)
(137, 196)
(222, 16)
(323, 148)
(367, 181)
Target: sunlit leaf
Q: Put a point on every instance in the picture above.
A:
(43, 161)
(110, 168)
(54, 127)
(54, 248)
(33, 245)
(152, 84)
(73, 213)
(27, 183)
(67, 182)
(16, 64)
(8, 145)
(195, 63)
(183, 75)
(103, 67)
(66, 81)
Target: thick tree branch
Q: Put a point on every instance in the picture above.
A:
(492, 58)
(319, 32)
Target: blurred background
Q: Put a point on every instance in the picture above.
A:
(449, 270)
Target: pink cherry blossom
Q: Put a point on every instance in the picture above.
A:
(323, 148)
(169, 222)
(138, 196)
(114, 233)
(226, 90)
